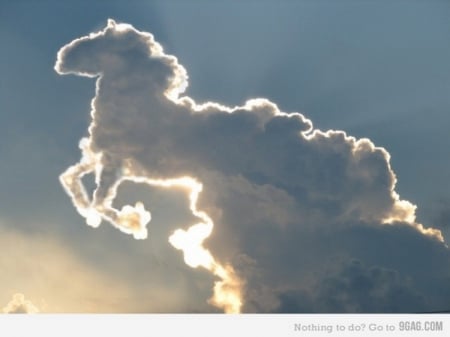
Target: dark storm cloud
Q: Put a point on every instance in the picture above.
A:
(356, 288)
(288, 201)
(311, 272)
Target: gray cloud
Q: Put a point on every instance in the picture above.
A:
(287, 201)
(310, 271)
(356, 288)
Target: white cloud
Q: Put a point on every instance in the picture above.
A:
(275, 188)
(19, 305)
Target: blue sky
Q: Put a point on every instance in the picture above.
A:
(374, 69)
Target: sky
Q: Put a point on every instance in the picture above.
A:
(312, 138)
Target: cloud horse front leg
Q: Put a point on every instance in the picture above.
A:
(130, 219)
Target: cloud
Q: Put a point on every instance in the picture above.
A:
(277, 202)
(356, 288)
(19, 305)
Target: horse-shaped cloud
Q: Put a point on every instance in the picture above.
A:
(144, 130)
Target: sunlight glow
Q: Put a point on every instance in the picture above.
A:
(134, 219)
